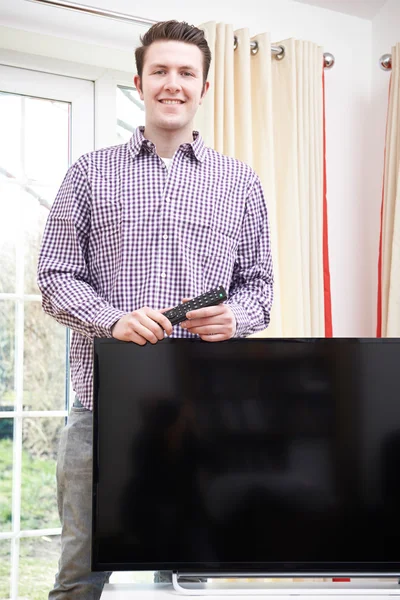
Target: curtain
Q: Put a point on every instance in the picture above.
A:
(269, 114)
(388, 324)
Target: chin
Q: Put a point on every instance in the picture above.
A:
(172, 124)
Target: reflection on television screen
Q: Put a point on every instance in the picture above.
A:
(272, 455)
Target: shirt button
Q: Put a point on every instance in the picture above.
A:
(165, 236)
(163, 275)
(166, 199)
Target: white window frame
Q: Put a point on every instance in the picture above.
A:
(80, 94)
(105, 82)
(106, 106)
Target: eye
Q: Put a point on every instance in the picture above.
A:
(187, 74)
(159, 72)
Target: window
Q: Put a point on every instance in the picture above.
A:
(41, 120)
(130, 112)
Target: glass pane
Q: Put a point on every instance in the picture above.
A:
(46, 139)
(10, 127)
(130, 112)
(35, 208)
(9, 219)
(7, 354)
(32, 166)
(5, 568)
(38, 566)
(44, 360)
(6, 474)
(40, 437)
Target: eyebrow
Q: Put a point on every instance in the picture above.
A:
(160, 66)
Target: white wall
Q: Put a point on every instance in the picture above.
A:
(350, 193)
(385, 34)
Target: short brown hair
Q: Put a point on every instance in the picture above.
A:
(176, 31)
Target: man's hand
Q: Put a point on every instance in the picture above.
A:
(212, 324)
(142, 326)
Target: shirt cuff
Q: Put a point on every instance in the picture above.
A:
(241, 319)
(104, 321)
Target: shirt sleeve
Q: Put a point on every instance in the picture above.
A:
(251, 290)
(63, 275)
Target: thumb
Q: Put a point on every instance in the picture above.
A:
(163, 310)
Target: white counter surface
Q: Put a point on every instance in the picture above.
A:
(218, 591)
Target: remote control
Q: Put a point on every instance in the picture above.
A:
(178, 314)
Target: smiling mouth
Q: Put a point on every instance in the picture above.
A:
(171, 102)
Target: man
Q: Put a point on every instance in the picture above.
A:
(136, 229)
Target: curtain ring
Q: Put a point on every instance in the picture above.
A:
(254, 47)
(280, 54)
(329, 60)
(385, 62)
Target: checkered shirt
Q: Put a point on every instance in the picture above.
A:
(126, 232)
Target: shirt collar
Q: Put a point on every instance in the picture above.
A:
(138, 141)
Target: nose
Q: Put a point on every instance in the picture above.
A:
(172, 84)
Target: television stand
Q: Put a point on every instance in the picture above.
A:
(363, 587)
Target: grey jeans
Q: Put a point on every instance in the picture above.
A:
(74, 579)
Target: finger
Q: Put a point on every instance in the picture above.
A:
(136, 338)
(189, 324)
(218, 337)
(163, 310)
(156, 316)
(206, 330)
(165, 324)
(152, 323)
(146, 331)
(203, 313)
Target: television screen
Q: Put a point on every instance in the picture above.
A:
(267, 456)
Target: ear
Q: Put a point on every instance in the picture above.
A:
(205, 90)
(138, 86)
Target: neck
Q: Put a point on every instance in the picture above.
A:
(167, 142)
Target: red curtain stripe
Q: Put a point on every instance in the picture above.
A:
(379, 298)
(325, 245)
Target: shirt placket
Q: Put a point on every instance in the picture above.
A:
(165, 241)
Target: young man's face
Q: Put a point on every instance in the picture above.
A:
(171, 85)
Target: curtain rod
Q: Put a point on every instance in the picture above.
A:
(278, 51)
(91, 10)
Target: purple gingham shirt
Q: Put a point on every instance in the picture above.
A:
(125, 232)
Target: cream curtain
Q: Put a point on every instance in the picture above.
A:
(269, 113)
(389, 259)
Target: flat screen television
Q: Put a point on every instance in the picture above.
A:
(272, 456)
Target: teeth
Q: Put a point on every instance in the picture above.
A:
(171, 101)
